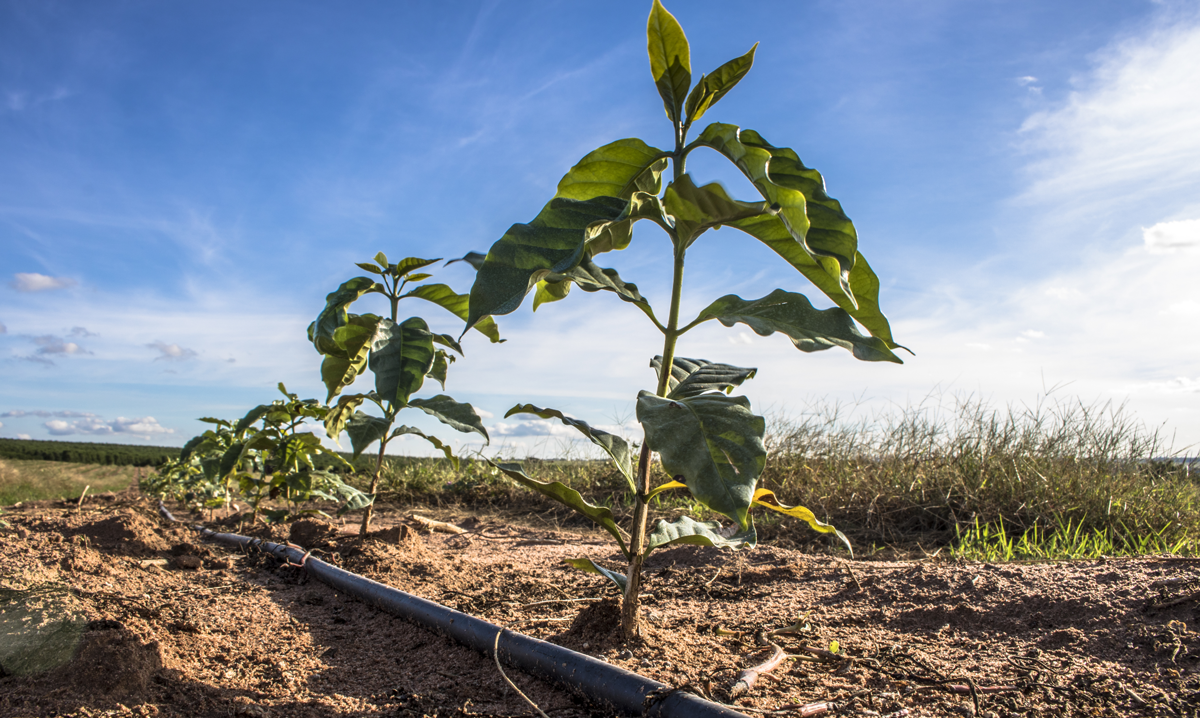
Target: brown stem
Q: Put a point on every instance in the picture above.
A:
(637, 548)
(366, 522)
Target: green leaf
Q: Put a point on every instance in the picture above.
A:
(616, 447)
(418, 277)
(712, 443)
(381, 259)
(320, 332)
(551, 291)
(339, 414)
(457, 415)
(353, 340)
(711, 88)
(685, 529)
(475, 259)
(190, 446)
(698, 209)
(445, 449)
(797, 195)
(368, 267)
(449, 342)
(401, 356)
(766, 499)
(365, 429)
(864, 285)
(586, 564)
(670, 62)
(411, 264)
(252, 416)
(567, 496)
(692, 377)
(554, 242)
(592, 278)
(231, 458)
(441, 363)
(218, 422)
(618, 169)
(811, 330)
(457, 304)
(352, 498)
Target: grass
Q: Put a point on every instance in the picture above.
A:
(29, 480)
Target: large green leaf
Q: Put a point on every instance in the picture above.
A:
(353, 341)
(711, 442)
(698, 209)
(459, 416)
(445, 449)
(365, 429)
(617, 169)
(457, 304)
(231, 458)
(252, 416)
(685, 529)
(670, 61)
(766, 498)
(408, 264)
(863, 283)
(586, 564)
(554, 242)
(475, 259)
(401, 356)
(320, 332)
(797, 195)
(613, 445)
(340, 413)
(692, 377)
(591, 278)
(567, 496)
(810, 329)
(711, 88)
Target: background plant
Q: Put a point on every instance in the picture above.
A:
(708, 441)
(401, 355)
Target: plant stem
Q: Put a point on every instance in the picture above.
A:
(366, 522)
(641, 512)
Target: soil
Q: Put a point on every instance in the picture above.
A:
(108, 609)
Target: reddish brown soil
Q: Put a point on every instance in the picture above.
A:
(110, 610)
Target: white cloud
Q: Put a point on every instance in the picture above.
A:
(43, 413)
(532, 427)
(171, 352)
(1168, 237)
(144, 426)
(34, 282)
(50, 344)
(26, 437)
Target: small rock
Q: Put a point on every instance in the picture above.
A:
(645, 661)
(188, 562)
(625, 655)
(22, 533)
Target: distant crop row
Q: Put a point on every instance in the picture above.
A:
(87, 453)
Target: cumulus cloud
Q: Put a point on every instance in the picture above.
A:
(1168, 237)
(144, 426)
(533, 427)
(26, 437)
(171, 352)
(34, 282)
(50, 344)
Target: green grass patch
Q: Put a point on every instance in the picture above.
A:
(27, 480)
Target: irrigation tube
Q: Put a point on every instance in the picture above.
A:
(601, 683)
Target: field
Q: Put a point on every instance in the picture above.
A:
(1018, 563)
(29, 480)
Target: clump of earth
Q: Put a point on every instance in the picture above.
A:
(109, 609)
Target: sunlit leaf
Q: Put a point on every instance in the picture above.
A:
(810, 329)
(381, 259)
(441, 363)
(414, 431)
(670, 485)
(586, 564)
(797, 195)
(459, 416)
(366, 267)
(617, 169)
(567, 496)
(412, 264)
(365, 429)
(616, 447)
(712, 87)
(401, 356)
(353, 341)
(685, 529)
(692, 377)
(320, 332)
(457, 304)
(252, 416)
(766, 498)
(698, 209)
(670, 61)
(449, 342)
(340, 413)
(714, 442)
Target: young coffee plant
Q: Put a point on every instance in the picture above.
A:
(710, 443)
(400, 354)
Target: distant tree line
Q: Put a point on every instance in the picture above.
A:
(87, 452)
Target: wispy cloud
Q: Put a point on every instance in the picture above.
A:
(34, 282)
(50, 344)
(172, 352)
(42, 413)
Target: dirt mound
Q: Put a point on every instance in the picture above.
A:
(596, 628)
(312, 534)
(128, 533)
(112, 661)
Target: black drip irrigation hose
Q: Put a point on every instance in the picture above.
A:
(601, 683)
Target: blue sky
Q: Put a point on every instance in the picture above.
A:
(182, 184)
